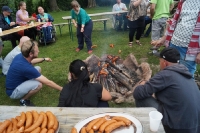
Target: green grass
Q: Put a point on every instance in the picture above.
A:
(63, 52)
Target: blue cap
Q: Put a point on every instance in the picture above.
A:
(6, 8)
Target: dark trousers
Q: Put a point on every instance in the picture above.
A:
(132, 33)
(13, 38)
(85, 36)
(122, 18)
(103, 104)
(147, 21)
(31, 33)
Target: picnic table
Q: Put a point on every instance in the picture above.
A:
(68, 117)
(16, 29)
(68, 18)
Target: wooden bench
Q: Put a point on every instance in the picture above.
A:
(104, 20)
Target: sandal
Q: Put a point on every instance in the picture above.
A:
(130, 44)
(139, 43)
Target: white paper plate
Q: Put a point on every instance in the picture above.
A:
(17, 27)
(129, 129)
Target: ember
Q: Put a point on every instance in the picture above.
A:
(119, 77)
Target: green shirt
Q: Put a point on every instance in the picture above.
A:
(162, 8)
(82, 17)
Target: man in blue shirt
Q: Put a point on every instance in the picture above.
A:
(23, 80)
(6, 23)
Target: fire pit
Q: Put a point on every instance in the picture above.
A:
(120, 77)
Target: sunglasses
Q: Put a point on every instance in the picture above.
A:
(32, 44)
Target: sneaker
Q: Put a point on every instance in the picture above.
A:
(26, 103)
(77, 49)
(90, 51)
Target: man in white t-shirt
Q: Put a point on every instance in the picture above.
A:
(17, 50)
(119, 6)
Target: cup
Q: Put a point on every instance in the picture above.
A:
(155, 120)
(39, 20)
(0, 30)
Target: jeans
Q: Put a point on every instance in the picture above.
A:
(148, 20)
(191, 65)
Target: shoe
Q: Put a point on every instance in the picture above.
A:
(130, 44)
(77, 49)
(156, 53)
(138, 42)
(26, 103)
(90, 51)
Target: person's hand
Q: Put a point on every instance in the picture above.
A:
(75, 25)
(48, 59)
(123, 8)
(158, 43)
(198, 58)
(33, 18)
(82, 29)
(12, 23)
(47, 20)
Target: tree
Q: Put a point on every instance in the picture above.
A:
(91, 3)
(53, 5)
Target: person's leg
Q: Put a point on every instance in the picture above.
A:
(88, 35)
(155, 34)
(148, 31)
(131, 35)
(120, 18)
(138, 35)
(191, 65)
(125, 22)
(12, 38)
(147, 102)
(163, 26)
(80, 38)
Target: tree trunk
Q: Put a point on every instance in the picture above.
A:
(91, 3)
(53, 5)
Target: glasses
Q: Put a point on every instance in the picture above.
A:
(32, 44)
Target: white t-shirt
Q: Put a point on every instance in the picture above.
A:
(186, 23)
(9, 58)
(118, 7)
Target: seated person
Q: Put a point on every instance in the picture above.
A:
(177, 96)
(79, 92)
(22, 18)
(23, 79)
(119, 6)
(6, 23)
(17, 50)
(44, 17)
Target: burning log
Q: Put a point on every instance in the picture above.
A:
(119, 77)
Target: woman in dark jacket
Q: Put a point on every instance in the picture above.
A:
(79, 92)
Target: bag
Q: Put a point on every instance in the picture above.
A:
(21, 32)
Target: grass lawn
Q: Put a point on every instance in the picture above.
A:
(63, 52)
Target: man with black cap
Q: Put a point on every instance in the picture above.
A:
(174, 93)
(6, 23)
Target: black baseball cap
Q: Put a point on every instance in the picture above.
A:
(6, 8)
(170, 54)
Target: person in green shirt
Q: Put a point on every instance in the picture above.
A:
(84, 26)
(160, 12)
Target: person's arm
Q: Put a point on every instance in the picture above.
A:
(152, 9)
(48, 82)
(105, 95)
(83, 18)
(51, 19)
(124, 8)
(136, 3)
(147, 89)
(20, 15)
(73, 18)
(39, 60)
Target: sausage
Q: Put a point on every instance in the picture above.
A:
(105, 124)
(4, 125)
(21, 129)
(125, 120)
(98, 124)
(51, 131)
(44, 123)
(14, 123)
(35, 116)
(9, 128)
(114, 126)
(55, 126)
(50, 122)
(74, 130)
(37, 130)
(21, 120)
(17, 118)
(83, 130)
(14, 131)
(91, 131)
(44, 130)
(36, 124)
(29, 119)
(90, 125)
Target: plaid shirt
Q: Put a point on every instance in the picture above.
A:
(194, 44)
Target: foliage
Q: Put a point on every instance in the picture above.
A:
(66, 4)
